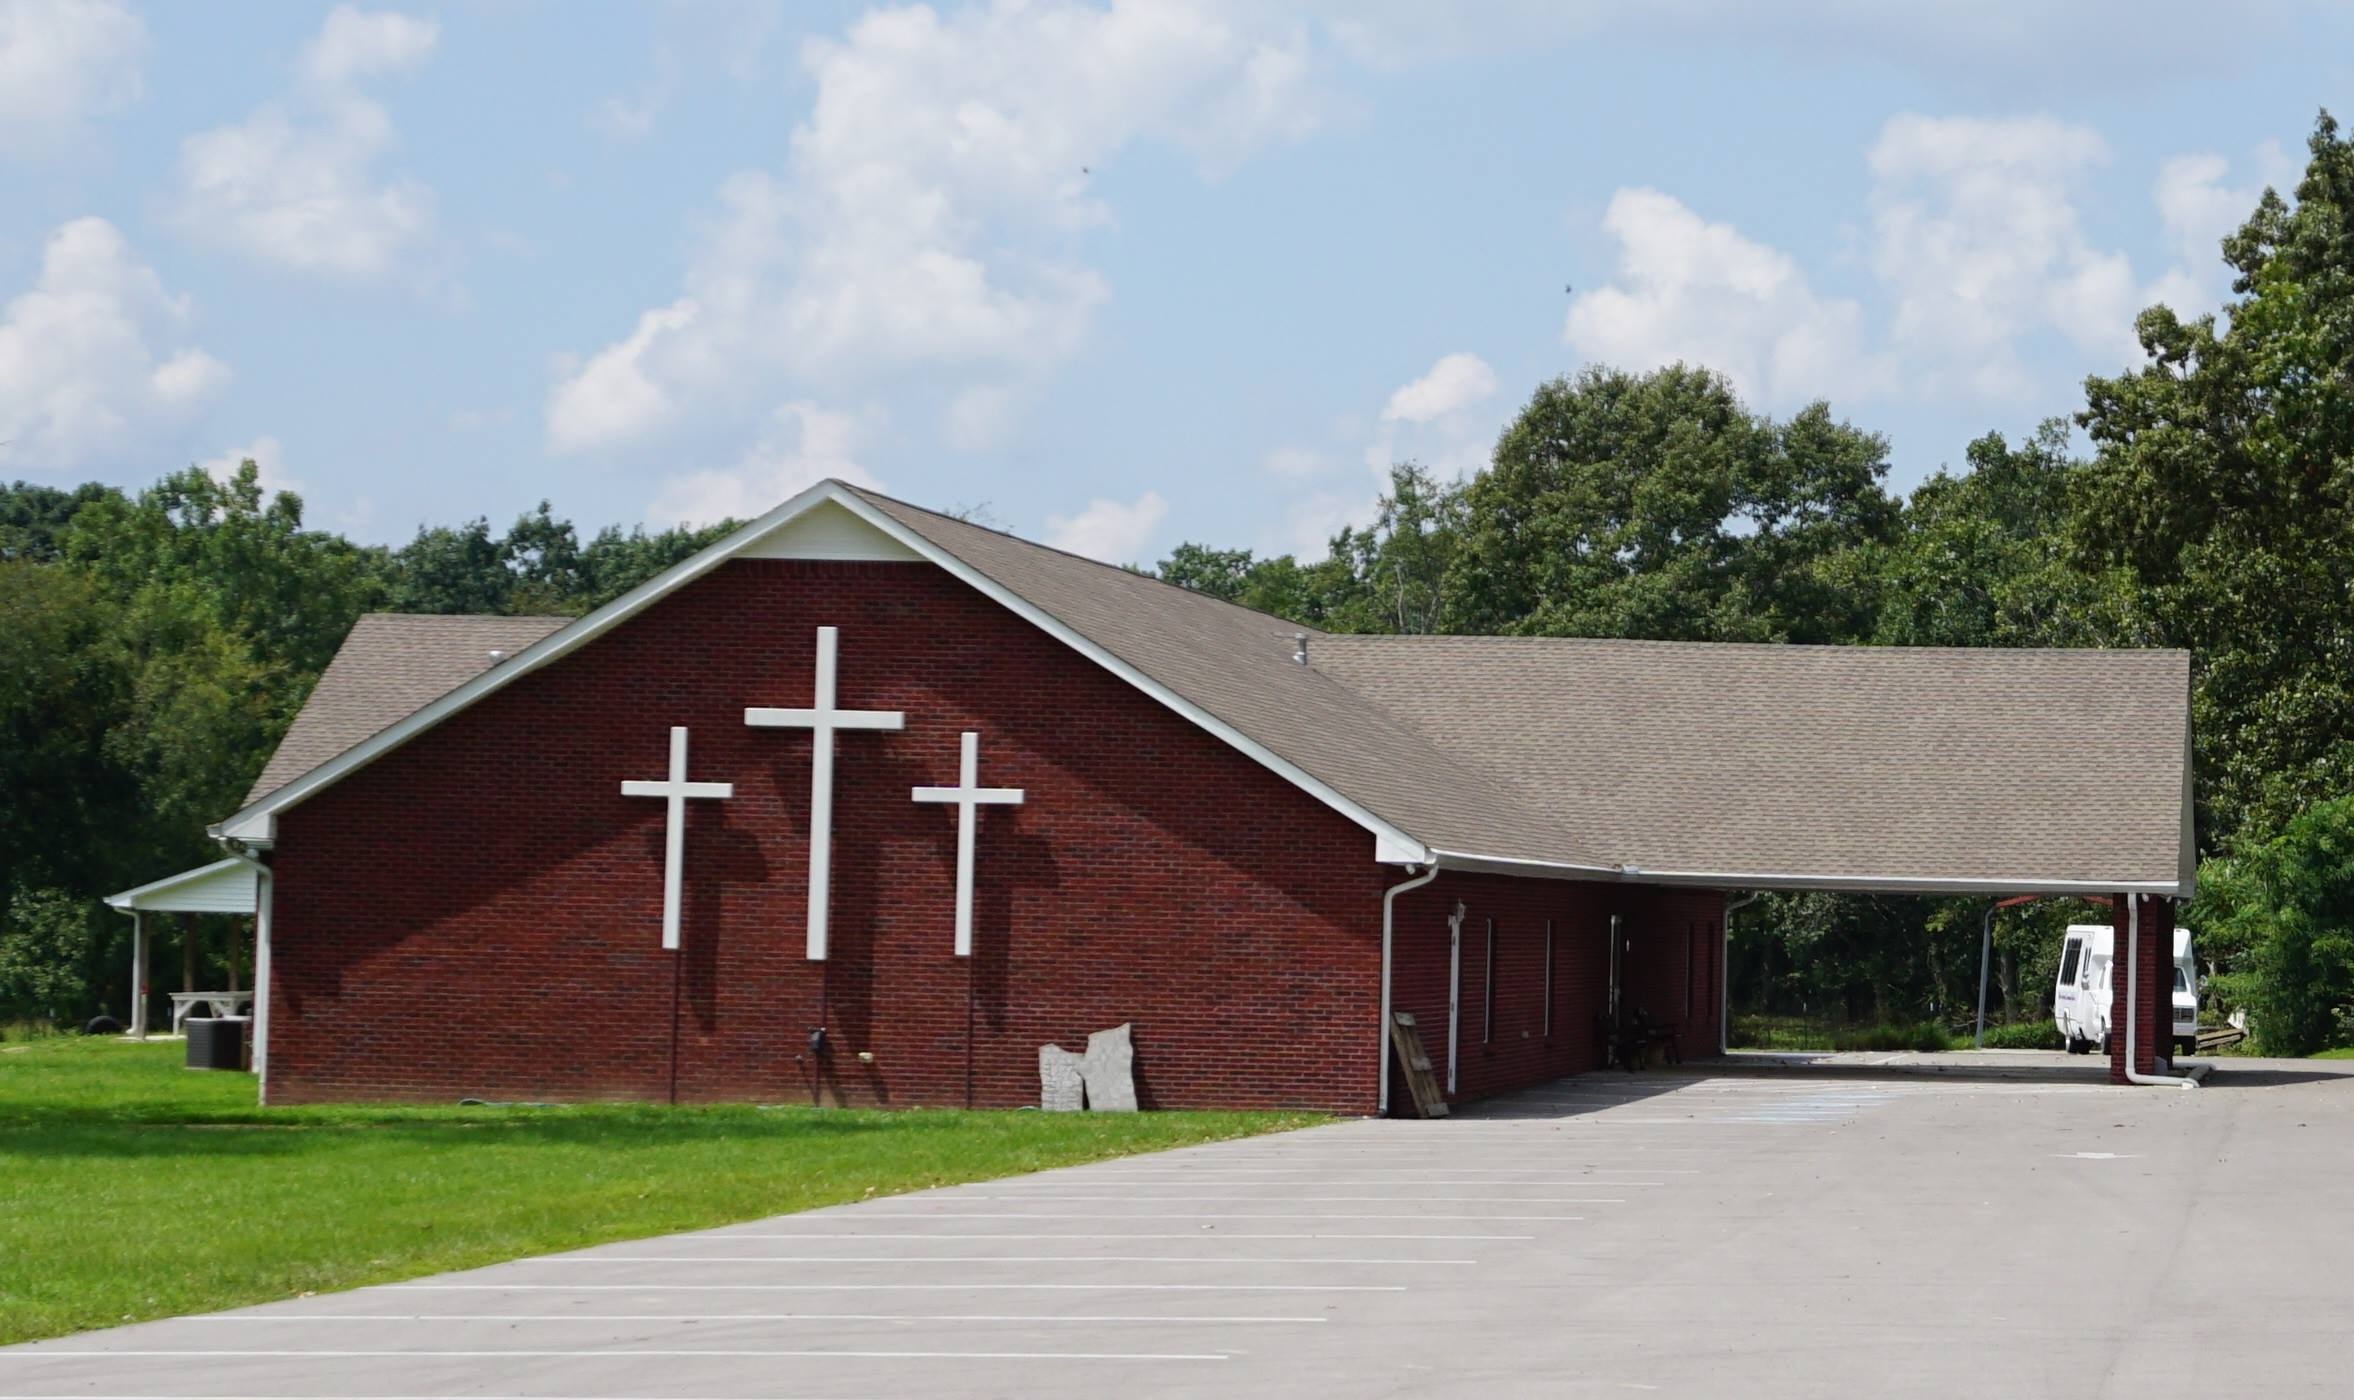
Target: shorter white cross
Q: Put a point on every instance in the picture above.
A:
(967, 795)
(676, 789)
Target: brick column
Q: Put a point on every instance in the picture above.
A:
(2156, 952)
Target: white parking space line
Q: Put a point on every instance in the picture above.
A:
(1406, 1183)
(1392, 1216)
(956, 1259)
(897, 1287)
(1312, 1200)
(1205, 1233)
(1026, 1319)
(600, 1353)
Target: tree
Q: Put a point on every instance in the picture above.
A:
(2223, 487)
(33, 518)
(2286, 907)
(1982, 558)
(1655, 505)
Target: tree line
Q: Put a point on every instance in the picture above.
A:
(153, 647)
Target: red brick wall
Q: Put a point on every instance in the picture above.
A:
(479, 913)
(1674, 935)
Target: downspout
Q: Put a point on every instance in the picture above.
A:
(263, 885)
(2133, 1000)
(1388, 922)
(1724, 974)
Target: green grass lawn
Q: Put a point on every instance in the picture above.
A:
(131, 1188)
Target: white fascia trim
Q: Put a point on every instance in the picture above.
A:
(1513, 865)
(1753, 880)
(257, 824)
(128, 898)
(1391, 846)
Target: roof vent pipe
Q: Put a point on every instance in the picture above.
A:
(497, 656)
(1299, 647)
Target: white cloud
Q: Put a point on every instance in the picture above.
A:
(800, 445)
(93, 358)
(1112, 531)
(63, 62)
(925, 226)
(1976, 236)
(1700, 292)
(355, 44)
(269, 459)
(1455, 383)
(295, 184)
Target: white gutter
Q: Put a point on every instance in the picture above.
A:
(1724, 973)
(1388, 918)
(263, 884)
(1783, 880)
(2133, 1001)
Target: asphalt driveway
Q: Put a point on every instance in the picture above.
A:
(1867, 1230)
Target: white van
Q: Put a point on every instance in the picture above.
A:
(2082, 994)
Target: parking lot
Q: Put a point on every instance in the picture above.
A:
(1872, 1231)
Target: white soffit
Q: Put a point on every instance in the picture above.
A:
(223, 887)
(827, 531)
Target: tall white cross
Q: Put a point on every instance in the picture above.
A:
(676, 790)
(967, 795)
(821, 719)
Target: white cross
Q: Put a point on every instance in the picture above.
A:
(967, 795)
(821, 719)
(676, 789)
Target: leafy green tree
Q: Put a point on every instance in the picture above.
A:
(2223, 486)
(453, 569)
(616, 561)
(65, 681)
(1656, 505)
(247, 562)
(1983, 560)
(56, 955)
(32, 518)
(2286, 907)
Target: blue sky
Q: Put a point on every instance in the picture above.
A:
(1127, 274)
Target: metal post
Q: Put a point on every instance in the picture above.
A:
(1985, 954)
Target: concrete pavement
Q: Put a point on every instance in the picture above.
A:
(1720, 1231)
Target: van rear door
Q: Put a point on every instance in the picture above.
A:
(2064, 988)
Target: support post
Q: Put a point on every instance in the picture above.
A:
(139, 974)
(188, 951)
(1985, 956)
(2151, 944)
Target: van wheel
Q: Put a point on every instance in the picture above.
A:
(2077, 1045)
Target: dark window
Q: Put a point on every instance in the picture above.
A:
(1548, 979)
(1487, 1008)
(2068, 961)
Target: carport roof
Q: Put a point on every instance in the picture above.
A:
(1929, 770)
(1855, 767)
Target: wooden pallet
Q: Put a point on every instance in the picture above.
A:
(1407, 1041)
(2213, 1038)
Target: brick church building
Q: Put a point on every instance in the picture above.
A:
(864, 804)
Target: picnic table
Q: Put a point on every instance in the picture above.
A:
(184, 1005)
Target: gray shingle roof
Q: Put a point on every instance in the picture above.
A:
(1820, 762)
(1803, 765)
(391, 665)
